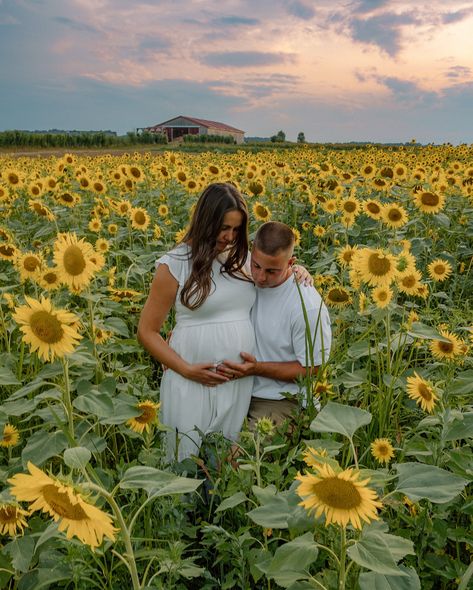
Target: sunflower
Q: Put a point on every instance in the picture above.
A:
(255, 188)
(330, 205)
(124, 294)
(8, 252)
(422, 392)
(4, 193)
(112, 229)
(342, 496)
(318, 231)
(13, 177)
(40, 209)
(394, 215)
(139, 218)
(373, 208)
(67, 199)
(135, 172)
(261, 212)
(338, 297)
(35, 189)
(122, 207)
(368, 170)
(409, 281)
(72, 258)
(312, 457)
(297, 236)
(10, 437)
(157, 232)
(47, 330)
(429, 202)
(75, 514)
(446, 350)
(12, 519)
(382, 450)
(101, 335)
(163, 210)
(148, 416)
(98, 260)
(345, 255)
(102, 245)
(29, 264)
(95, 224)
(49, 279)
(382, 296)
(400, 171)
(439, 270)
(350, 206)
(376, 267)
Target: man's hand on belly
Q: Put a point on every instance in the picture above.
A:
(234, 370)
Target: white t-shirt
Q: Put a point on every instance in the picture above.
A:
(280, 330)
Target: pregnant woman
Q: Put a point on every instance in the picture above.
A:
(206, 279)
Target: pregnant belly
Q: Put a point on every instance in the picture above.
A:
(213, 342)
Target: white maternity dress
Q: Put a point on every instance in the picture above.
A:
(219, 329)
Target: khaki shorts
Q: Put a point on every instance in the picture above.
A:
(276, 409)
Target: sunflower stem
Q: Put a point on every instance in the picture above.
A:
(67, 397)
(129, 556)
(343, 552)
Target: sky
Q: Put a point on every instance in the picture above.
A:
(337, 70)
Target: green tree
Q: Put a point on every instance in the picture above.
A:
(301, 137)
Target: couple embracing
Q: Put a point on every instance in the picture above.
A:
(240, 333)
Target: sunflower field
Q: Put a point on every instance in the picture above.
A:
(368, 487)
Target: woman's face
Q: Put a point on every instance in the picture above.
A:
(232, 221)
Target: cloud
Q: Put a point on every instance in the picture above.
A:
(454, 17)
(406, 92)
(370, 5)
(8, 20)
(383, 30)
(301, 10)
(235, 21)
(244, 59)
(74, 24)
(459, 72)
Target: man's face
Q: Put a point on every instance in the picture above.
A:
(271, 271)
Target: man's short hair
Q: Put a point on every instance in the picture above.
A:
(274, 237)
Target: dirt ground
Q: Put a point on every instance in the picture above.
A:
(27, 152)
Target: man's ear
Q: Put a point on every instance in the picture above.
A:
(292, 260)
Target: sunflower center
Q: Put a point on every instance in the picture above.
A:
(409, 281)
(7, 250)
(382, 295)
(50, 278)
(429, 199)
(61, 504)
(425, 392)
(373, 208)
(439, 269)
(349, 206)
(394, 215)
(148, 414)
(31, 263)
(338, 493)
(338, 296)
(140, 217)
(73, 260)
(379, 265)
(383, 449)
(8, 514)
(446, 347)
(46, 327)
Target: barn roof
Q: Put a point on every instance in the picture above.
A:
(203, 123)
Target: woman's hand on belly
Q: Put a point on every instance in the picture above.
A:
(205, 374)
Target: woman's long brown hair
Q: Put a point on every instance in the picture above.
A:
(207, 221)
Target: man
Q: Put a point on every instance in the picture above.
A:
(282, 354)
